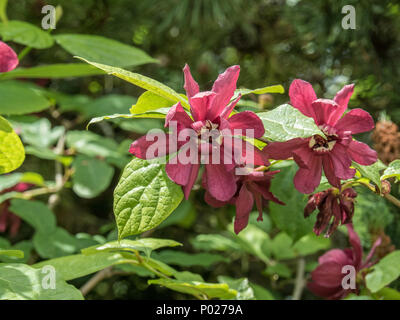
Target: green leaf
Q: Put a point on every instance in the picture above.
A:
(384, 272)
(217, 242)
(143, 82)
(184, 216)
(12, 153)
(79, 265)
(38, 133)
(371, 172)
(254, 241)
(92, 144)
(154, 114)
(25, 33)
(242, 286)
(269, 89)
(22, 282)
(21, 98)
(387, 294)
(260, 293)
(290, 217)
(195, 288)
(281, 246)
(310, 244)
(184, 259)
(145, 245)
(54, 71)
(150, 101)
(23, 248)
(3, 11)
(279, 269)
(285, 123)
(144, 197)
(393, 170)
(103, 50)
(55, 244)
(110, 104)
(12, 253)
(91, 176)
(9, 180)
(36, 213)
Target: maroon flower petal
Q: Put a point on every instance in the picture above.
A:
(247, 120)
(244, 204)
(200, 103)
(284, 150)
(328, 293)
(220, 183)
(178, 172)
(304, 157)
(140, 147)
(362, 153)
(191, 86)
(8, 58)
(341, 162)
(323, 110)
(328, 275)
(301, 95)
(356, 121)
(371, 253)
(229, 108)
(307, 180)
(335, 255)
(209, 199)
(178, 114)
(356, 244)
(330, 171)
(224, 86)
(342, 99)
(194, 171)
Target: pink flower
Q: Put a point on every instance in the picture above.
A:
(8, 58)
(328, 276)
(331, 203)
(335, 153)
(251, 188)
(209, 121)
(9, 220)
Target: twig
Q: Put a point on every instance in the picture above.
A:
(100, 276)
(59, 150)
(392, 199)
(300, 281)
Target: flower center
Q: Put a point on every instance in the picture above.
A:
(210, 132)
(321, 145)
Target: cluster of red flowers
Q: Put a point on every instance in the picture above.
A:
(211, 111)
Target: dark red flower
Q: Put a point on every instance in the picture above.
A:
(8, 58)
(327, 278)
(335, 152)
(9, 220)
(331, 203)
(210, 123)
(251, 188)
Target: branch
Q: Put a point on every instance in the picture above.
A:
(98, 277)
(300, 281)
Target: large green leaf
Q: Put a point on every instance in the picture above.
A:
(198, 289)
(384, 272)
(146, 245)
(142, 81)
(12, 153)
(144, 197)
(269, 89)
(290, 217)
(91, 176)
(184, 259)
(285, 123)
(102, 50)
(12, 253)
(150, 101)
(79, 265)
(21, 98)
(393, 170)
(54, 71)
(22, 282)
(36, 213)
(25, 33)
(214, 242)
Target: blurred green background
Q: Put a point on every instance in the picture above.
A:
(274, 41)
